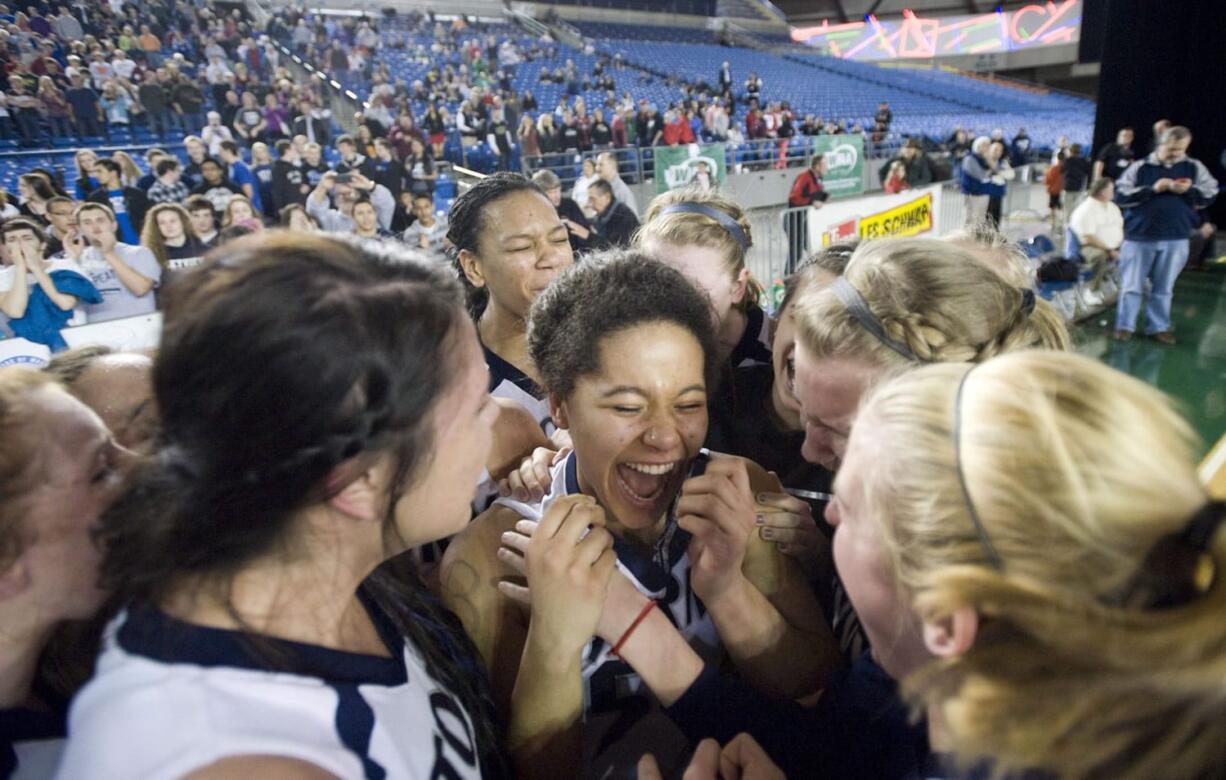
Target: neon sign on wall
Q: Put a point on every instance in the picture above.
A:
(1041, 24)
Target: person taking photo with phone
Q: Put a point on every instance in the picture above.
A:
(345, 190)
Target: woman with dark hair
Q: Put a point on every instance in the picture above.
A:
(437, 128)
(273, 625)
(295, 217)
(510, 244)
(626, 349)
(169, 235)
(33, 193)
(420, 173)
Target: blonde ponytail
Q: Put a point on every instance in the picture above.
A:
(1076, 474)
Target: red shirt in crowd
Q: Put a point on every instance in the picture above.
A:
(678, 132)
(806, 190)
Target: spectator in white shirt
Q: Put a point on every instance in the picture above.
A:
(100, 70)
(1099, 226)
(427, 233)
(124, 274)
(579, 195)
(214, 133)
(122, 66)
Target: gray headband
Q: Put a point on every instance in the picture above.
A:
(857, 307)
(725, 221)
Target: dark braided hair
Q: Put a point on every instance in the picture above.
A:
(609, 292)
(465, 223)
(283, 356)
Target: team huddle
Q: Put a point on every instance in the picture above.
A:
(369, 514)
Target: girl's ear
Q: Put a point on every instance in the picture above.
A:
(742, 284)
(557, 411)
(952, 635)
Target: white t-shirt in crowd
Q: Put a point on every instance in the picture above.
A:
(123, 68)
(1102, 220)
(435, 234)
(117, 300)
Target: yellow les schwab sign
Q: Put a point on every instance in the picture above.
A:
(909, 219)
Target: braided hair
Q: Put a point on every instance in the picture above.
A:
(283, 356)
(465, 221)
(935, 299)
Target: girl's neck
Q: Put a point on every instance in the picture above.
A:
(506, 335)
(309, 597)
(19, 653)
(175, 242)
(731, 330)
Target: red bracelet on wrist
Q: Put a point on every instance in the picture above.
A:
(651, 603)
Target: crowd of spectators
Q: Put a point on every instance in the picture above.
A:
(468, 91)
(256, 148)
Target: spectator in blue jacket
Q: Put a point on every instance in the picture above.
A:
(240, 173)
(1160, 196)
(975, 178)
(39, 296)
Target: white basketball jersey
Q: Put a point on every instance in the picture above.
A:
(622, 719)
(169, 697)
(507, 381)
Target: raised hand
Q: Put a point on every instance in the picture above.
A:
(788, 522)
(568, 562)
(718, 509)
(530, 481)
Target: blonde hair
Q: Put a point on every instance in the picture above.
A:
(226, 219)
(997, 251)
(128, 168)
(1075, 472)
(685, 228)
(932, 296)
(259, 150)
(18, 456)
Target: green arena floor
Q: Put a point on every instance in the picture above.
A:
(1194, 370)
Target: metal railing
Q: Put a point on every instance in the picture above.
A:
(636, 164)
(781, 235)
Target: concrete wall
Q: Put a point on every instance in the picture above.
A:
(1064, 54)
(572, 13)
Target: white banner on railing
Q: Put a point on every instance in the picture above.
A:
(128, 334)
(22, 352)
(908, 213)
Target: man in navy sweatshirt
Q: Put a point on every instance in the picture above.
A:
(1160, 196)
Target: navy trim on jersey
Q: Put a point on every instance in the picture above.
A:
(152, 633)
(25, 725)
(355, 723)
(501, 370)
(750, 347)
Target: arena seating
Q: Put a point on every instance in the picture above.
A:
(924, 102)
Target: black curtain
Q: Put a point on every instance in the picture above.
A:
(1166, 60)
